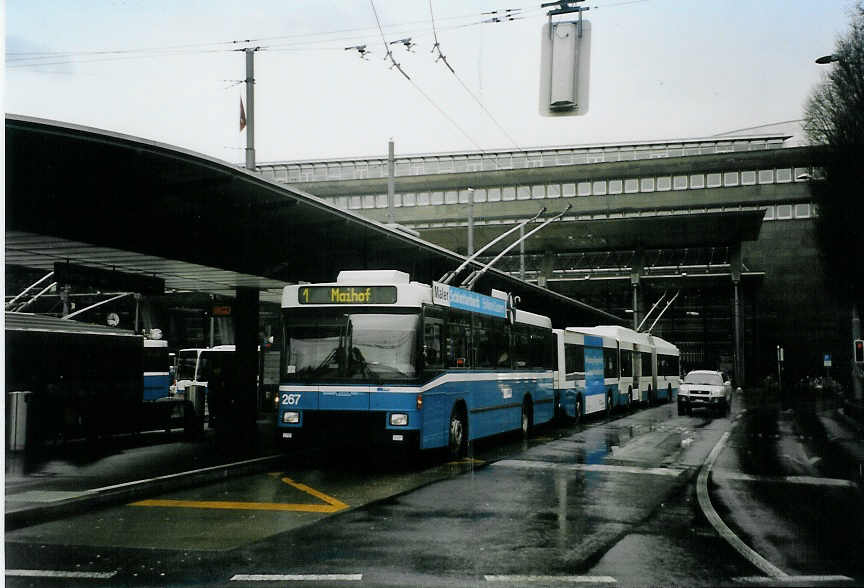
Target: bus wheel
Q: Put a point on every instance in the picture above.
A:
(526, 418)
(458, 436)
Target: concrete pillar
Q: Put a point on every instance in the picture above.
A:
(547, 269)
(239, 426)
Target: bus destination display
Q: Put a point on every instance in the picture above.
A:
(347, 295)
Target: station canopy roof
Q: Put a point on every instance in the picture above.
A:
(102, 199)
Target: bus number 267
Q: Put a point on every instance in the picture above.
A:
(291, 399)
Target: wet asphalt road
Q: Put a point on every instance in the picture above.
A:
(611, 500)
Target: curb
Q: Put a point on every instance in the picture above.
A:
(130, 491)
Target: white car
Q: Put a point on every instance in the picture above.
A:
(705, 389)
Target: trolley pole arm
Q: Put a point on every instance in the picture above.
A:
(469, 282)
(648, 314)
(36, 297)
(445, 279)
(668, 304)
(92, 306)
(27, 289)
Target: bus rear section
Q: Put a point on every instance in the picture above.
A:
(667, 369)
(375, 359)
(196, 367)
(570, 390)
(157, 376)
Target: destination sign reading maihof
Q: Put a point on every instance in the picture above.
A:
(347, 295)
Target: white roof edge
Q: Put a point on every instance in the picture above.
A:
(528, 150)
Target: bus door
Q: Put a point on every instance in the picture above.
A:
(626, 382)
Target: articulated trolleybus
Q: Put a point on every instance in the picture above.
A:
(375, 358)
(602, 368)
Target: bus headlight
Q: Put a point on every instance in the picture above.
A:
(398, 419)
(291, 417)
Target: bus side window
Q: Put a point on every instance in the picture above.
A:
(626, 363)
(574, 360)
(490, 343)
(610, 363)
(458, 336)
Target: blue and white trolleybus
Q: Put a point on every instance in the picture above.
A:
(375, 358)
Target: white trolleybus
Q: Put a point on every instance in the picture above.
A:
(376, 358)
(601, 368)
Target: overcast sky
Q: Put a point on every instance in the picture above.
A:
(166, 70)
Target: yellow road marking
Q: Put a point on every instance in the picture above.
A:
(466, 460)
(331, 504)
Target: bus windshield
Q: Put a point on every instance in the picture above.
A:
(329, 344)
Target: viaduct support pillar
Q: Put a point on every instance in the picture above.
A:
(242, 408)
(547, 269)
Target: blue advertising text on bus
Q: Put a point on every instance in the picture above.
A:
(375, 358)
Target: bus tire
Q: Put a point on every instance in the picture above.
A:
(630, 405)
(457, 436)
(527, 418)
(608, 404)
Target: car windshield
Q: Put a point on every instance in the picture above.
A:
(186, 365)
(334, 345)
(708, 378)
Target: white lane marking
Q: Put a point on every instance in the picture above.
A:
(791, 579)
(61, 574)
(708, 510)
(297, 578)
(805, 480)
(584, 467)
(553, 579)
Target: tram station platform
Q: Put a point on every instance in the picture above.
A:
(56, 480)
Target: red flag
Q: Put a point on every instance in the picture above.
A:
(242, 116)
